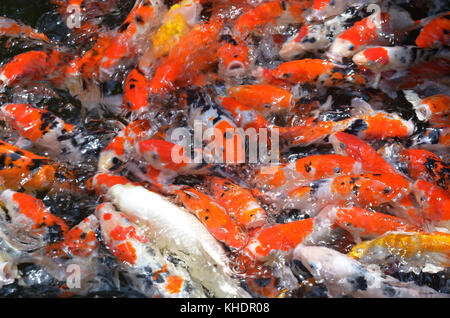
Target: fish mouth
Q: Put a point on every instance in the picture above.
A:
(235, 68)
(423, 112)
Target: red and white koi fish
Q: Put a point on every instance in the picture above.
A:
(30, 219)
(11, 28)
(315, 37)
(118, 151)
(394, 58)
(178, 231)
(131, 37)
(134, 250)
(375, 28)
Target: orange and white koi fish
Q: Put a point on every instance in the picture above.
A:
(376, 27)
(359, 222)
(214, 216)
(314, 37)
(11, 28)
(178, 69)
(425, 165)
(314, 71)
(102, 182)
(21, 169)
(131, 37)
(81, 240)
(434, 203)
(435, 33)
(133, 249)
(412, 250)
(269, 242)
(179, 232)
(31, 66)
(28, 215)
(366, 190)
(345, 276)
(118, 151)
(300, 172)
(434, 109)
(45, 130)
(323, 9)
(238, 202)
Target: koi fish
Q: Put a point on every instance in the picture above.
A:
(304, 170)
(270, 13)
(130, 38)
(214, 216)
(433, 109)
(21, 169)
(136, 93)
(415, 249)
(434, 203)
(268, 242)
(233, 56)
(425, 165)
(178, 231)
(178, 69)
(118, 151)
(11, 28)
(366, 123)
(435, 32)
(352, 146)
(134, 250)
(31, 66)
(28, 217)
(238, 202)
(434, 137)
(345, 276)
(313, 71)
(359, 222)
(80, 240)
(176, 23)
(323, 9)
(262, 97)
(314, 37)
(394, 58)
(45, 130)
(366, 190)
(376, 27)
